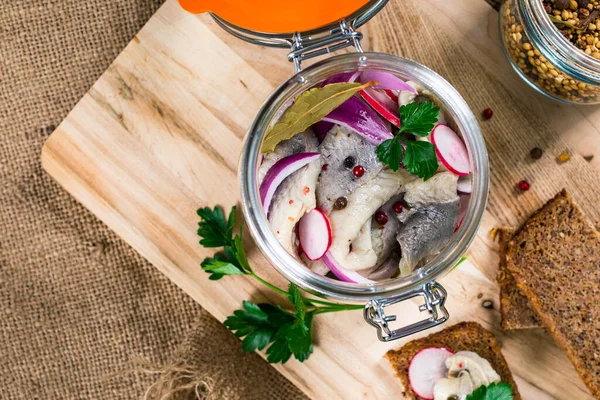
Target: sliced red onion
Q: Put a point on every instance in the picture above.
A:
(342, 77)
(278, 172)
(321, 129)
(385, 81)
(359, 117)
(341, 273)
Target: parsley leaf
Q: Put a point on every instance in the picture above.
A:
(418, 118)
(249, 320)
(239, 252)
(300, 340)
(495, 391)
(390, 152)
(278, 317)
(420, 159)
(298, 301)
(279, 351)
(265, 324)
(221, 268)
(214, 230)
(226, 263)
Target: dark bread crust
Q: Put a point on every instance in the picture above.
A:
(465, 336)
(515, 308)
(555, 260)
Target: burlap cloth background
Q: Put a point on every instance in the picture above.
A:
(76, 303)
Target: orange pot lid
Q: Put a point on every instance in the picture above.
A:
(277, 16)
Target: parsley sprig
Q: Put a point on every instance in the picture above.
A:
(417, 156)
(263, 325)
(494, 391)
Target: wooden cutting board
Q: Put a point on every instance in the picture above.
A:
(159, 135)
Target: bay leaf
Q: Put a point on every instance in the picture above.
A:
(310, 107)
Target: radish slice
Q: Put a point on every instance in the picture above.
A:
(385, 80)
(465, 185)
(382, 103)
(341, 273)
(463, 206)
(393, 94)
(357, 116)
(278, 172)
(426, 368)
(451, 150)
(314, 234)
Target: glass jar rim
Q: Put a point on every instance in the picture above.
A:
(289, 266)
(554, 46)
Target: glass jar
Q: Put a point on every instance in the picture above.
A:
(545, 58)
(421, 281)
(378, 295)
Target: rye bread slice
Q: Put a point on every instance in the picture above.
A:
(465, 336)
(515, 308)
(555, 260)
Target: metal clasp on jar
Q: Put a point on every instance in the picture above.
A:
(435, 298)
(342, 37)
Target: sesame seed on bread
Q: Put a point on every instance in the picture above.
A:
(515, 308)
(465, 336)
(555, 260)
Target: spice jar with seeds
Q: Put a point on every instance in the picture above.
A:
(554, 45)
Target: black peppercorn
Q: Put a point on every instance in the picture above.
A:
(536, 153)
(349, 162)
(562, 4)
(340, 203)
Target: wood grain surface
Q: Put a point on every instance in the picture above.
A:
(159, 135)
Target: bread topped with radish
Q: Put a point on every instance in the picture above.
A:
(452, 364)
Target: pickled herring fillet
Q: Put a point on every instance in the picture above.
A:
(347, 223)
(362, 247)
(383, 237)
(440, 188)
(301, 143)
(337, 180)
(388, 269)
(296, 194)
(425, 233)
(316, 266)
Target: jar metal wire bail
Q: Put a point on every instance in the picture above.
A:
(434, 295)
(340, 38)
